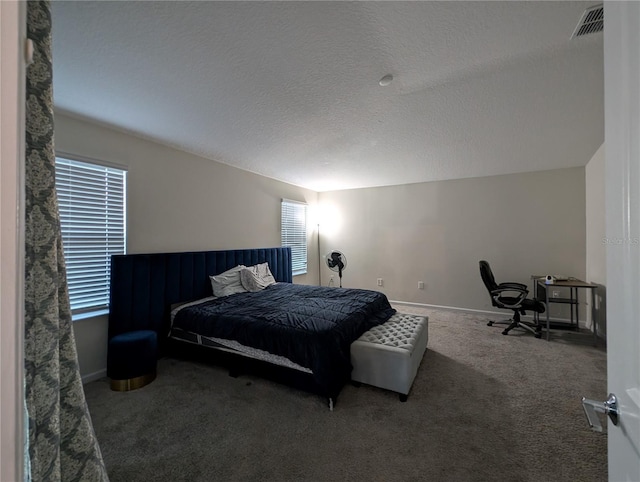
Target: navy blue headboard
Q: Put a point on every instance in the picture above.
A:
(144, 286)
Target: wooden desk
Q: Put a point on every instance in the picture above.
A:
(573, 284)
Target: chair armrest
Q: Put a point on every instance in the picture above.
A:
(516, 288)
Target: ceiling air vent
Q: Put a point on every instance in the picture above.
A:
(592, 21)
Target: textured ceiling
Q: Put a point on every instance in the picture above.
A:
(290, 90)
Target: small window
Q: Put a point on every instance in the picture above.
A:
(91, 198)
(294, 233)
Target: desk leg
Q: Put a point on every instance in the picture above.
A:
(546, 298)
(593, 317)
(536, 317)
(577, 312)
(571, 305)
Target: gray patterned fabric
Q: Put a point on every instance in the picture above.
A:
(62, 443)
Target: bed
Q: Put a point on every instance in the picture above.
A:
(304, 343)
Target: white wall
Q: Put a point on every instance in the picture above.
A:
(523, 224)
(436, 232)
(179, 202)
(596, 261)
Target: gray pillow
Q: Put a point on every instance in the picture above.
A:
(228, 283)
(257, 277)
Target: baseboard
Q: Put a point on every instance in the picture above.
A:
(504, 314)
(451, 308)
(92, 377)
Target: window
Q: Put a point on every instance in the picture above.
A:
(92, 216)
(294, 233)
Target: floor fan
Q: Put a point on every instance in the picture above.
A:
(336, 261)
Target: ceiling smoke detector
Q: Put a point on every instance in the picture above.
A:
(592, 21)
(386, 80)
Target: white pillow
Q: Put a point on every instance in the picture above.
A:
(228, 283)
(257, 277)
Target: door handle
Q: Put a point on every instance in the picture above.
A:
(592, 408)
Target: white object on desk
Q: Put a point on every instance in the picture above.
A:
(552, 278)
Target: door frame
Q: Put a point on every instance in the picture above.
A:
(12, 96)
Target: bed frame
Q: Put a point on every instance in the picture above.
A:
(145, 286)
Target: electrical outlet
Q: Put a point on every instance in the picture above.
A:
(420, 285)
(379, 281)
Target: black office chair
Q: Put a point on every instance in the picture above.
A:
(511, 296)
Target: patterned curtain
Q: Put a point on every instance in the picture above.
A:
(62, 443)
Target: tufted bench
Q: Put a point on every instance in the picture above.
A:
(388, 356)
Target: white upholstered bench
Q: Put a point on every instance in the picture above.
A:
(388, 356)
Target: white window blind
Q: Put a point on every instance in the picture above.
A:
(294, 233)
(91, 198)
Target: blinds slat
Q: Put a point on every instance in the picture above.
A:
(294, 233)
(92, 204)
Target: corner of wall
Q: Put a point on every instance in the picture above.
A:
(596, 264)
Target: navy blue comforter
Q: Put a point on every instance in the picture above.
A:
(313, 326)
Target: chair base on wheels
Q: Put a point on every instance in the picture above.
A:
(501, 322)
(516, 322)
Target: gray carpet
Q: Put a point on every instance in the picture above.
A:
(483, 407)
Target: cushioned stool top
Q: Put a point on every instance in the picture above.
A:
(401, 331)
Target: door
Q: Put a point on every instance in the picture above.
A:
(622, 161)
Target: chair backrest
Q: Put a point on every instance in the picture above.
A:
(487, 276)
